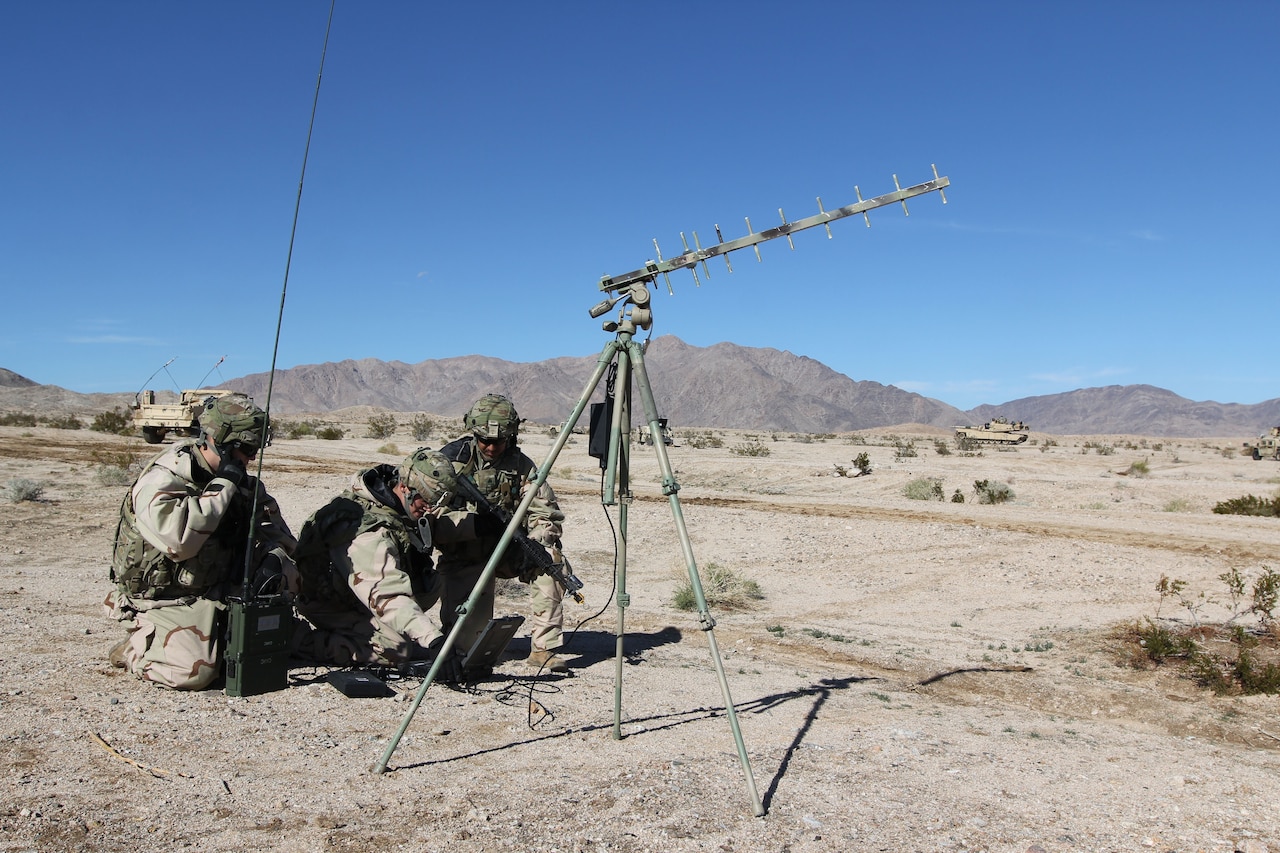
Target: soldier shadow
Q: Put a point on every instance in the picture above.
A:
(585, 648)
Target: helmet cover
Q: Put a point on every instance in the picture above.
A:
(430, 474)
(493, 416)
(234, 418)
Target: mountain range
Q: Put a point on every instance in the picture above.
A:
(724, 385)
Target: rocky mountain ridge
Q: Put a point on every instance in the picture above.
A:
(724, 385)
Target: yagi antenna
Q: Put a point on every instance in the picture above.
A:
(698, 255)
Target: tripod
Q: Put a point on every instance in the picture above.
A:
(626, 357)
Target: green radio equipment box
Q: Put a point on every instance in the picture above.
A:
(258, 634)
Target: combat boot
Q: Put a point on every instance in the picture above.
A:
(548, 660)
(116, 655)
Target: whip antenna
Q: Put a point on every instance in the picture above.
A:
(284, 289)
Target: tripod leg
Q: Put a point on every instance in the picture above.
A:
(620, 445)
(671, 488)
(606, 358)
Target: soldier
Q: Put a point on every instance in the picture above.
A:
(180, 547)
(365, 570)
(491, 457)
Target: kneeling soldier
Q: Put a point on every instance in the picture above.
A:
(365, 569)
(181, 542)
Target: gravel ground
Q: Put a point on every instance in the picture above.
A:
(918, 675)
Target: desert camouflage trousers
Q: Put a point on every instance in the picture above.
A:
(171, 643)
(344, 637)
(546, 599)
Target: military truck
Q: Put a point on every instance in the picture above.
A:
(994, 431)
(156, 420)
(643, 435)
(1267, 446)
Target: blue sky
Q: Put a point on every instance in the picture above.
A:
(476, 168)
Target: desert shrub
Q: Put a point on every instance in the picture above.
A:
(19, 419)
(965, 444)
(389, 449)
(64, 422)
(958, 497)
(21, 489)
(1248, 505)
(992, 491)
(1228, 453)
(940, 447)
(421, 427)
(115, 421)
(857, 439)
(903, 449)
(1224, 656)
(330, 433)
(862, 462)
(702, 440)
(722, 588)
(923, 489)
(1177, 505)
(802, 438)
(112, 475)
(754, 447)
(1140, 468)
(293, 429)
(382, 426)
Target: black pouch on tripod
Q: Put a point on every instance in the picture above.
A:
(601, 419)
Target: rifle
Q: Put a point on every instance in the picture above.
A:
(534, 551)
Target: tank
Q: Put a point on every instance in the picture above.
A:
(1266, 447)
(156, 420)
(994, 431)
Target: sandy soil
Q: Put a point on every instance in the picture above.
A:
(918, 676)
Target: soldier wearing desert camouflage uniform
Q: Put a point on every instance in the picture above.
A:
(365, 568)
(466, 538)
(180, 547)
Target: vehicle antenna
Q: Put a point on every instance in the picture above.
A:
(215, 367)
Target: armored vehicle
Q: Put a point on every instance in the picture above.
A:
(156, 420)
(1267, 447)
(994, 431)
(643, 436)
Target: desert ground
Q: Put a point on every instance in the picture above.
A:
(918, 675)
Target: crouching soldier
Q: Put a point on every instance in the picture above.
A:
(181, 544)
(364, 565)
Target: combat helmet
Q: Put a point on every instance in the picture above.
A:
(493, 416)
(234, 420)
(430, 474)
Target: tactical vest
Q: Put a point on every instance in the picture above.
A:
(146, 572)
(334, 527)
(500, 487)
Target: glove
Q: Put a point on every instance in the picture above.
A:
(229, 468)
(450, 671)
(488, 526)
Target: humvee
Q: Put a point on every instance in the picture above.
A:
(1267, 446)
(643, 436)
(156, 420)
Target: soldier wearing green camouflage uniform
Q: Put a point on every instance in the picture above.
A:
(180, 547)
(365, 569)
(466, 539)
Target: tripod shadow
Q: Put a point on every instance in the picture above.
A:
(822, 691)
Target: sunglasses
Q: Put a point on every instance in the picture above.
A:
(489, 442)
